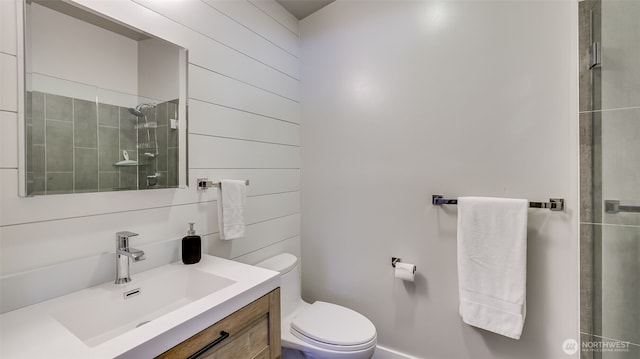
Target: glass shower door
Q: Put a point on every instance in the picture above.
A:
(615, 111)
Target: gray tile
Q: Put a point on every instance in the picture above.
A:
(151, 114)
(151, 183)
(58, 108)
(38, 161)
(172, 167)
(142, 180)
(172, 109)
(584, 41)
(586, 167)
(172, 138)
(85, 124)
(86, 170)
(597, 167)
(161, 114)
(162, 148)
(30, 182)
(109, 151)
(109, 181)
(163, 179)
(620, 39)
(38, 185)
(37, 118)
(108, 115)
(128, 132)
(128, 178)
(619, 160)
(619, 286)
(160, 162)
(59, 183)
(147, 163)
(28, 148)
(35, 184)
(596, 89)
(586, 278)
(59, 149)
(28, 111)
(145, 160)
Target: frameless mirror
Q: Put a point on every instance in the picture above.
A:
(105, 104)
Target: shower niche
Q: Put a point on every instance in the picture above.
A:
(105, 104)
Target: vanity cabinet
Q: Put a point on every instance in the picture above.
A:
(251, 332)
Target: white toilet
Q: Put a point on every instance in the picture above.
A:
(319, 330)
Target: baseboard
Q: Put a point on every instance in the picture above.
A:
(387, 353)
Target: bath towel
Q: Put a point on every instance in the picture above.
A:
(231, 200)
(492, 263)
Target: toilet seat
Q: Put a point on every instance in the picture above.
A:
(334, 327)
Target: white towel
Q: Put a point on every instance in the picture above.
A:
(231, 200)
(492, 263)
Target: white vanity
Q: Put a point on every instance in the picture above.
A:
(217, 299)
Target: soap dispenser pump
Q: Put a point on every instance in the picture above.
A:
(191, 247)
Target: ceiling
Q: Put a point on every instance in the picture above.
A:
(303, 8)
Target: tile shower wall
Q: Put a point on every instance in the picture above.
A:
(609, 128)
(243, 124)
(161, 165)
(73, 145)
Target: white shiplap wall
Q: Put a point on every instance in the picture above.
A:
(243, 123)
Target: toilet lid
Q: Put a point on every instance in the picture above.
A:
(334, 327)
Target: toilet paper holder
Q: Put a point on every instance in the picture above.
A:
(395, 260)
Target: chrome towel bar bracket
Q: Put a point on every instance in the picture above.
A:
(204, 184)
(554, 204)
(613, 206)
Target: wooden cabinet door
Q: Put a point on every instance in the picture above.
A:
(251, 332)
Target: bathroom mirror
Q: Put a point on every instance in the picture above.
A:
(105, 104)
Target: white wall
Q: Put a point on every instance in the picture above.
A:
(405, 99)
(95, 56)
(158, 69)
(243, 123)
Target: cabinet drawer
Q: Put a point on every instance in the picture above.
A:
(248, 344)
(251, 332)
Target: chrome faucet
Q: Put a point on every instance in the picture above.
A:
(123, 253)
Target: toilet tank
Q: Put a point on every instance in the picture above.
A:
(287, 265)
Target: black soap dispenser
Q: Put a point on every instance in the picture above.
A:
(191, 248)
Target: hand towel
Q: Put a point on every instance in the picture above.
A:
(492, 263)
(231, 200)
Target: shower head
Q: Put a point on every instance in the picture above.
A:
(141, 109)
(135, 112)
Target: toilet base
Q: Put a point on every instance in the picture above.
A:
(288, 353)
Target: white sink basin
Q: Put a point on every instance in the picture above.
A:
(97, 322)
(107, 311)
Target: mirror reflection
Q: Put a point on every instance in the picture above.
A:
(104, 104)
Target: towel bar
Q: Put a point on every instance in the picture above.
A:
(613, 206)
(204, 184)
(554, 204)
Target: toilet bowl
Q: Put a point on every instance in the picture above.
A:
(319, 330)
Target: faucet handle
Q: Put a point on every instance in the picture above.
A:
(122, 239)
(125, 234)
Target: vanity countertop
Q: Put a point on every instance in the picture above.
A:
(34, 331)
